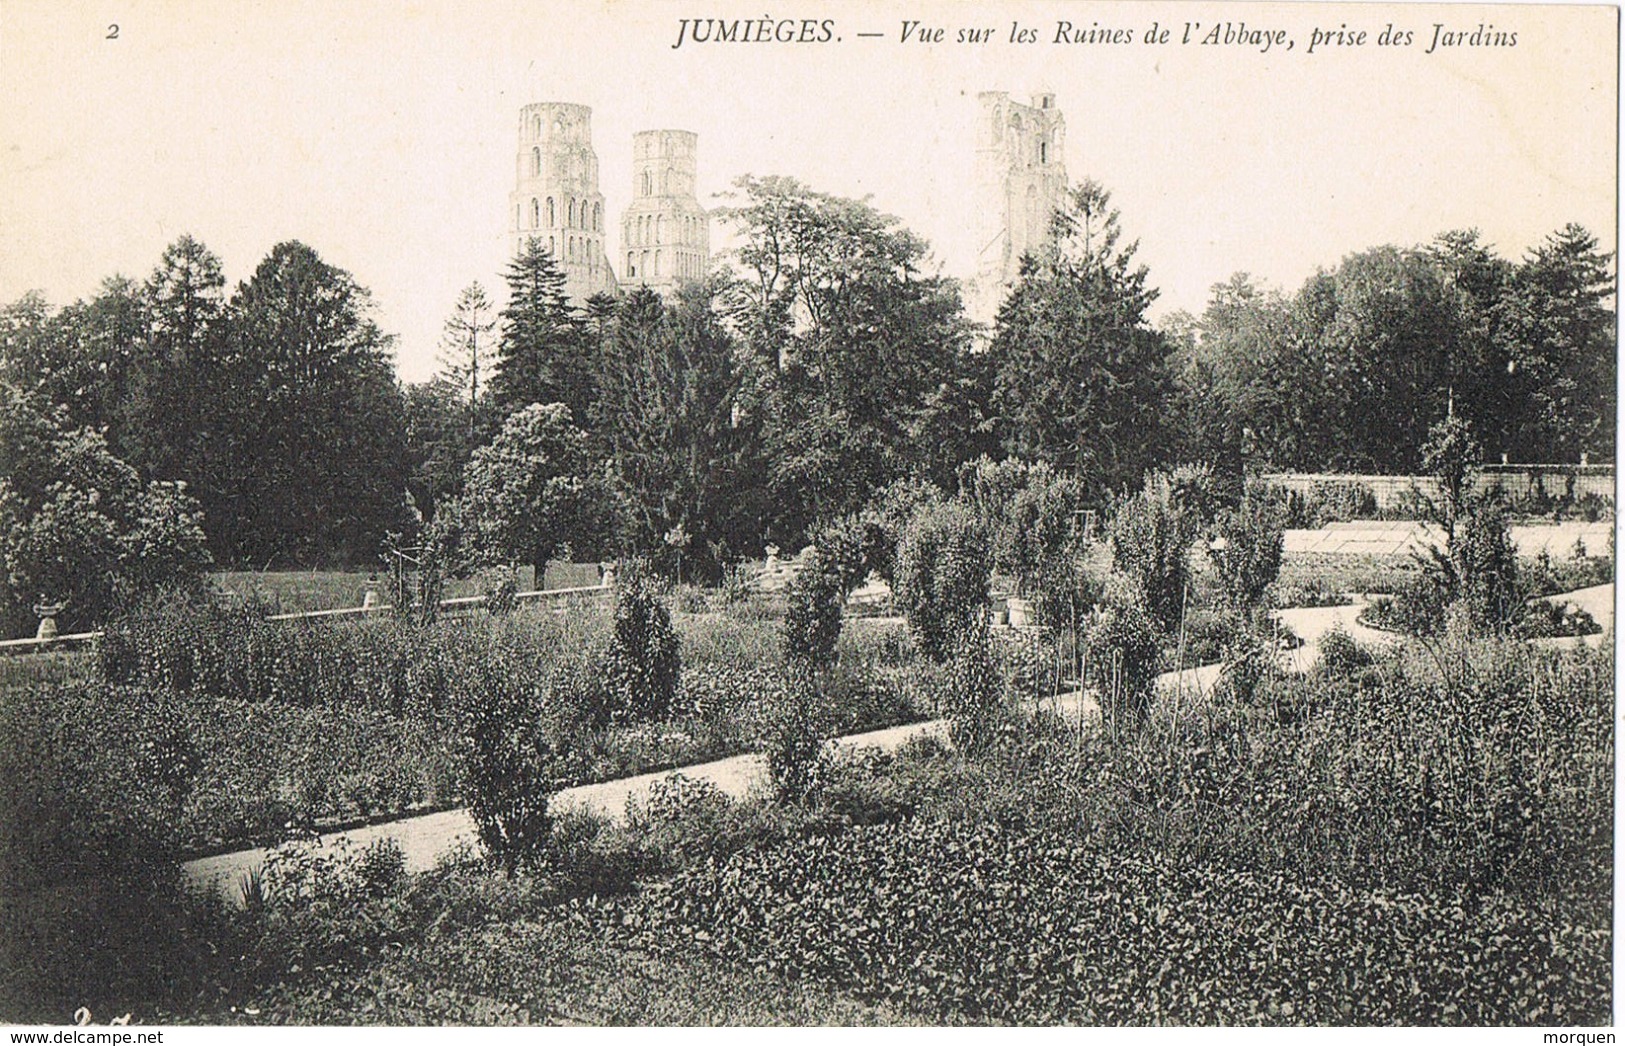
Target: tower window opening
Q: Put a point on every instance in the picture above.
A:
(535, 213)
(535, 161)
(552, 215)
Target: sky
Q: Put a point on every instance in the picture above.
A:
(385, 135)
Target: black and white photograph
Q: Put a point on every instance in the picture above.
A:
(910, 513)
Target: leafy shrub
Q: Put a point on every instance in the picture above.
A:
(643, 664)
(1192, 491)
(985, 922)
(738, 580)
(1545, 619)
(858, 696)
(1330, 501)
(974, 695)
(944, 563)
(1121, 662)
(1417, 609)
(1246, 547)
(169, 759)
(685, 822)
(92, 907)
(1311, 593)
(1486, 566)
(1151, 535)
(844, 551)
(1030, 512)
(793, 741)
(512, 766)
(1208, 635)
(1477, 571)
(1544, 576)
(1029, 662)
(1340, 655)
(887, 516)
(79, 526)
(812, 617)
(1148, 876)
(689, 599)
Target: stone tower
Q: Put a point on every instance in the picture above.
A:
(1020, 183)
(557, 199)
(665, 233)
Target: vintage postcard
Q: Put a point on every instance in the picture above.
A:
(635, 512)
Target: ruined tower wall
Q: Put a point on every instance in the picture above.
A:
(665, 233)
(1020, 183)
(556, 198)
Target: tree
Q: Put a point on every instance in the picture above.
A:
(1151, 535)
(1233, 370)
(437, 443)
(1246, 547)
(317, 428)
(1555, 326)
(465, 361)
(175, 422)
(858, 351)
(1482, 389)
(77, 358)
(1082, 379)
(944, 564)
(77, 525)
(540, 358)
(1386, 347)
(669, 418)
(527, 491)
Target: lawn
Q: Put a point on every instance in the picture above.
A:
(295, 591)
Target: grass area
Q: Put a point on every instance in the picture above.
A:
(298, 591)
(1340, 573)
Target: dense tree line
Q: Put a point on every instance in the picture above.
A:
(827, 361)
(277, 407)
(1351, 371)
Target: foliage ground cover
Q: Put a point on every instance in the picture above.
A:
(1450, 827)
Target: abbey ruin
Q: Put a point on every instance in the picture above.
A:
(665, 233)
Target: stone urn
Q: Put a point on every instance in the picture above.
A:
(47, 613)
